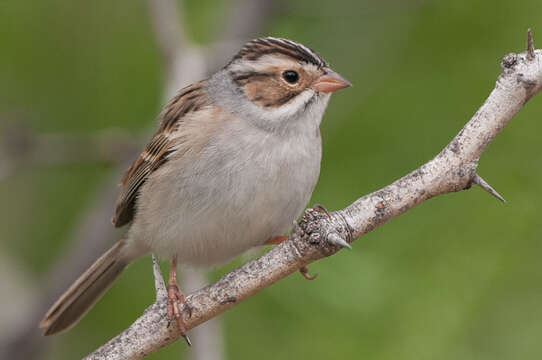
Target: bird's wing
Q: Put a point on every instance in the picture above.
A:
(188, 100)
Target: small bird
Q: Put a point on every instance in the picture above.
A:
(233, 163)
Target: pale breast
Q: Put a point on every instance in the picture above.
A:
(243, 187)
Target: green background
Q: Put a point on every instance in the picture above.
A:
(458, 277)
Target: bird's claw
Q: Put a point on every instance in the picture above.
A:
(322, 209)
(305, 272)
(175, 296)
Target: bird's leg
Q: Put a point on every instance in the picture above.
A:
(174, 297)
(304, 270)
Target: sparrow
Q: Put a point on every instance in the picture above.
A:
(233, 163)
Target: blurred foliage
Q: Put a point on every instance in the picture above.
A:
(457, 278)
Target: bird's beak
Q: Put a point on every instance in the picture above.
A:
(329, 82)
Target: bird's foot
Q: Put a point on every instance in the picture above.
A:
(305, 272)
(175, 296)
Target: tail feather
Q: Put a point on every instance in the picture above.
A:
(84, 293)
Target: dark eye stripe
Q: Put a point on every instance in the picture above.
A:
(249, 75)
(243, 77)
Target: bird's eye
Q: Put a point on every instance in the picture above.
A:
(290, 76)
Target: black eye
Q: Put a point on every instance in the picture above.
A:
(290, 76)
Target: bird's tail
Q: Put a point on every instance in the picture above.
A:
(85, 291)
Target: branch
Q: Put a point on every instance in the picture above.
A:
(184, 61)
(167, 28)
(315, 235)
(22, 148)
(245, 18)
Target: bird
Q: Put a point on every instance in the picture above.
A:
(233, 163)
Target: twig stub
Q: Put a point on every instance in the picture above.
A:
(530, 45)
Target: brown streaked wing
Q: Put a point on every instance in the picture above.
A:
(188, 100)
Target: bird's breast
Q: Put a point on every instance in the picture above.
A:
(241, 189)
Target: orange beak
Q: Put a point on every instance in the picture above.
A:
(329, 82)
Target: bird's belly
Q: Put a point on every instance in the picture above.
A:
(228, 205)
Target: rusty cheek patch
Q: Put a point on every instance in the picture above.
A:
(270, 92)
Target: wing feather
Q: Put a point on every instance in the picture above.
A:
(157, 150)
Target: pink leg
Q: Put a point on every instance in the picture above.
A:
(175, 296)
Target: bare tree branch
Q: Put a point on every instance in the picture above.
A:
(22, 148)
(184, 61)
(453, 169)
(247, 17)
(244, 20)
(165, 17)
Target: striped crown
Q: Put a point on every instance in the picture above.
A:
(256, 48)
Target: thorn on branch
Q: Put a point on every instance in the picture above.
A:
(484, 185)
(334, 239)
(530, 45)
